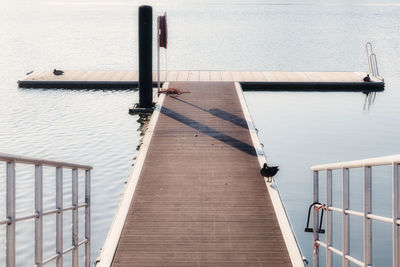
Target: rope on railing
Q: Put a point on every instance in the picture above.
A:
(366, 214)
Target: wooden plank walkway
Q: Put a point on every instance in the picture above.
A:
(200, 200)
(257, 80)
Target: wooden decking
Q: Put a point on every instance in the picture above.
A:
(256, 80)
(200, 200)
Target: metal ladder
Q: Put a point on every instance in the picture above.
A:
(372, 62)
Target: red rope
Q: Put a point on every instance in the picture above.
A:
(315, 246)
(323, 206)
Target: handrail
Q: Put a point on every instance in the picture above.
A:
(368, 48)
(374, 64)
(39, 213)
(367, 215)
(37, 161)
(358, 163)
(372, 61)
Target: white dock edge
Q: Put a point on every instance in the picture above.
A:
(111, 243)
(280, 211)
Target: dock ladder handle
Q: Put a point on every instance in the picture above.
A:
(372, 62)
(374, 65)
(319, 230)
(369, 50)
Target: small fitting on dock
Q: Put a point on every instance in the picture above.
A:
(136, 109)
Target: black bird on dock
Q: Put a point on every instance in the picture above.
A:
(367, 78)
(58, 72)
(269, 172)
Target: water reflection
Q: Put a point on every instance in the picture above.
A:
(369, 100)
(143, 120)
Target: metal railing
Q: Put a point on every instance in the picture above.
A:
(372, 61)
(366, 214)
(11, 219)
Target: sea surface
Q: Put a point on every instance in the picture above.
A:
(298, 129)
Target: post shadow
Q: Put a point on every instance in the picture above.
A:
(219, 113)
(244, 147)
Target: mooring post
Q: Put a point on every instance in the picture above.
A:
(145, 56)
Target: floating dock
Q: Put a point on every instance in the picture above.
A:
(249, 80)
(195, 196)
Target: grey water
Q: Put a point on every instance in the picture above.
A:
(298, 129)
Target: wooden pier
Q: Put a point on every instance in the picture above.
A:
(250, 80)
(196, 196)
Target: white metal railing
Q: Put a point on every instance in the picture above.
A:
(367, 164)
(11, 219)
(372, 62)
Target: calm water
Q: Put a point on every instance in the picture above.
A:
(297, 129)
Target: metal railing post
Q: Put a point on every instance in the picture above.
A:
(366, 214)
(38, 211)
(328, 217)
(367, 221)
(87, 218)
(396, 215)
(75, 217)
(59, 216)
(37, 216)
(345, 218)
(315, 220)
(10, 212)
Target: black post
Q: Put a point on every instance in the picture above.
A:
(145, 56)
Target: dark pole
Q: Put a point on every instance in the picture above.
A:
(145, 56)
